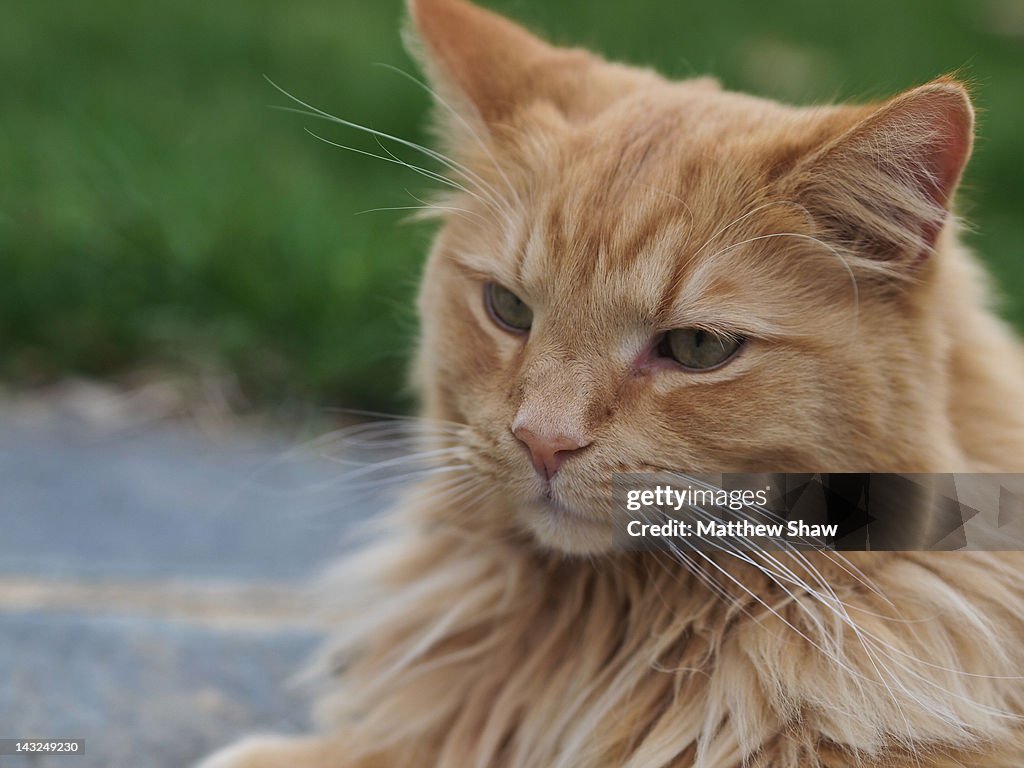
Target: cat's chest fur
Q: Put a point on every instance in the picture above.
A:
(514, 660)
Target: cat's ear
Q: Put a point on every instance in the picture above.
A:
(882, 189)
(487, 68)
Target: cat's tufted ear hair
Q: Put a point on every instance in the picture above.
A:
(881, 191)
(488, 68)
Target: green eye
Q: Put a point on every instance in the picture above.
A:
(507, 309)
(698, 349)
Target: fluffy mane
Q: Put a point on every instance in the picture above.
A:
(481, 655)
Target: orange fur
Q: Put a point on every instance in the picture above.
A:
(504, 633)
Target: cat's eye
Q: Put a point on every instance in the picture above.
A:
(698, 349)
(507, 309)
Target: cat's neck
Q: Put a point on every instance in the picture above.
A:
(984, 367)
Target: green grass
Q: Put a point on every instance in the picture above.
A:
(155, 211)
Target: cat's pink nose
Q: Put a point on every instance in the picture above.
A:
(548, 452)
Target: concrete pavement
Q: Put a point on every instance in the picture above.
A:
(152, 580)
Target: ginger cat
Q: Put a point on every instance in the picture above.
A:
(635, 274)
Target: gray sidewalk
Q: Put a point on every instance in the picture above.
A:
(152, 587)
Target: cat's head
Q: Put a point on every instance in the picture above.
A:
(634, 274)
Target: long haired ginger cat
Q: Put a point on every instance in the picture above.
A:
(636, 274)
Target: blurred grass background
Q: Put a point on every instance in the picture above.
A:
(155, 212)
